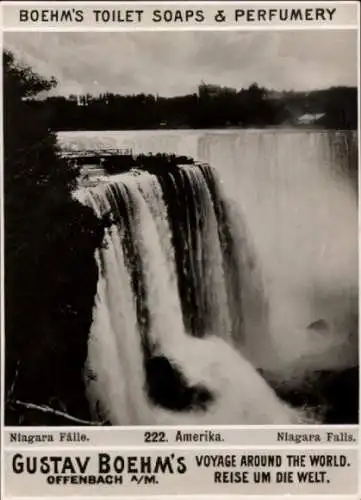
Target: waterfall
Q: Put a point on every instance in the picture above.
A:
(178, 293)
(282, 210)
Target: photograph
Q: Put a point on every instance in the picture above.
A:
(181, 227)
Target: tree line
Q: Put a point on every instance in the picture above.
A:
(211, 107)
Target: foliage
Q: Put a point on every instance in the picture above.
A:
(337, 104)
(211, 107)
(51, 276)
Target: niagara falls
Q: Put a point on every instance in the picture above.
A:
(206, 281)
(181, 228)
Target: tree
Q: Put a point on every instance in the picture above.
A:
(29, 142)
(51, 276)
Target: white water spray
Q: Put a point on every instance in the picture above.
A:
(117, 388)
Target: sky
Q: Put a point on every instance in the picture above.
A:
(175, 63)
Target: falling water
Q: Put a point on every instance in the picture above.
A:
(143, 312)
(261, 265)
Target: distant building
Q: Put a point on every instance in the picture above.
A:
(210, 90)
(207, 90)
(274, 94)
(308, 118)
(82, 100)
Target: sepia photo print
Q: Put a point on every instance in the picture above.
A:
(181, 228)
